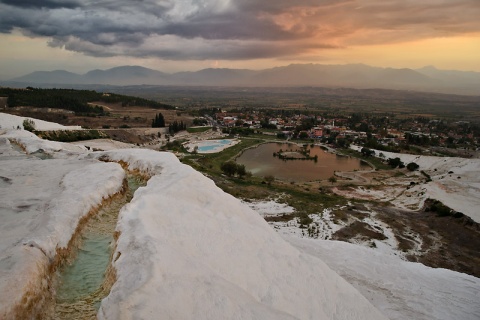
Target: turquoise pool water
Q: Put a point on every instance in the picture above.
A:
(213, 145)
(80, 286)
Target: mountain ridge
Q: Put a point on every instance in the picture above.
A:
(428, 78)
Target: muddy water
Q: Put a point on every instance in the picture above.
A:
(260, 162)
(82, 284)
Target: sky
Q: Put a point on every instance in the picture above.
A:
(183, 35)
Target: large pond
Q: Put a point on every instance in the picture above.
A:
(261, 162)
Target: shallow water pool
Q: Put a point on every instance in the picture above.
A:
(212, 145)
(81, 284)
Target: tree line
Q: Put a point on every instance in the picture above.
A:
(71, 99)
(231, 168)
(176, 126)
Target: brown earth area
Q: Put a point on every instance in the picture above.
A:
(358, 229)
(457, 247)
(130, 124)
(445, 242)
(131, 116)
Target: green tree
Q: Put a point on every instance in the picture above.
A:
(395, 162)
(229, 168)
(177, 126)
(367, 152)
(332, 179)
(303, 135)
(412, 166)
(241, 171)
(343, 143)
(159, 121)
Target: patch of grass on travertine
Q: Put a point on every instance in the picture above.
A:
(340, 216)
(304, 202)
(246, 189)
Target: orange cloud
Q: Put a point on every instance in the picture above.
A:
(238, 30)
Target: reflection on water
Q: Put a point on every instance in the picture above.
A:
(261, 162)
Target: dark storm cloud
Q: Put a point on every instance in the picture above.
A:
(228, 29)
(173, 48)
(50, 4)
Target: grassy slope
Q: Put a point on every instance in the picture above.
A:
(303, 200)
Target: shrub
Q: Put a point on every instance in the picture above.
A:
(367, 152)
(305, 220)
(173, 145)
(200, 122)
(29, 125)
(426, 176)
(231, 168)
(458, 215)
(441, 209)
(241, 171)
(269, 179)
(332, 179)
(412, 166)
(395, 162)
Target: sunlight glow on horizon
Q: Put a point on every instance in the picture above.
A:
(21, 55)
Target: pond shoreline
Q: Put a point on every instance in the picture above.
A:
(262, 163)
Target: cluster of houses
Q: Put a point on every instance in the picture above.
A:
(324, 128)
(394, 132)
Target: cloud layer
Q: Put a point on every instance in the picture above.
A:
(233, 29)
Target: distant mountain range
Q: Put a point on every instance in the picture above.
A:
(359, 76)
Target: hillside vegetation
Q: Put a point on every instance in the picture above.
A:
(73, 100)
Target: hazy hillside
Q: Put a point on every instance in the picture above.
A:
(427, 79)
(58, 76)
(125, 75)
(461, 80)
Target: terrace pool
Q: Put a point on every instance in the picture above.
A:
(211, 146)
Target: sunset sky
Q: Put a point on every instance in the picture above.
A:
(180, 35)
